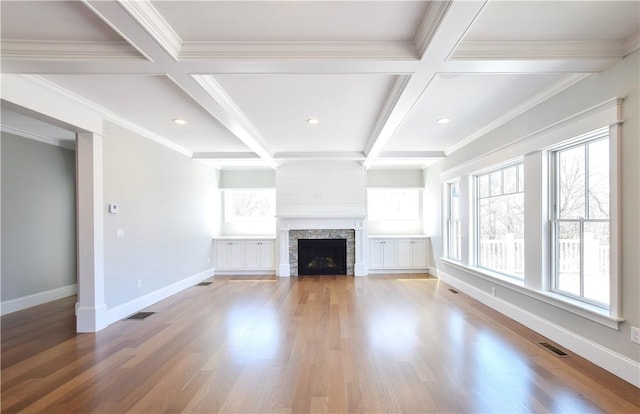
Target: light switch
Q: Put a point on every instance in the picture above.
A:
(119, 233)
(113, 208)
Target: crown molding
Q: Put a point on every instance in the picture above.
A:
(245, 131)
(152, 21)
(520, 49)
(106, 114)
(606, 113)
(411, 155)
(320, 156)
(67, 50)
(631, 43)
(561, 85)
(9, 129)
(225, 156)
(198, 50)
(429, 25)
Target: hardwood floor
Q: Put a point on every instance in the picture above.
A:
(378, 344)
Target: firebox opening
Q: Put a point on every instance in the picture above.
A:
(322, 257)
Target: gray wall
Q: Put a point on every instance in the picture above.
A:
(248, 179)
(395, 178)
(619, 81)
(168, 212)
(38, 217)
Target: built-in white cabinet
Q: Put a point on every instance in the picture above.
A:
(382, 253)
(259, 254)
(244, 255)
(399, 253)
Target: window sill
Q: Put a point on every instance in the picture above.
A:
(576, 307)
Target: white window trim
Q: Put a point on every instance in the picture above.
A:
(579, 308)
(602, 133)
(475, 197)
(447, 221)
(578, 125)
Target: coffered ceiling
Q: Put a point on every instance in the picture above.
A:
(377, 75)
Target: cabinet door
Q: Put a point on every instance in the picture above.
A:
(253, 254)
(419, 253)
(375, 254)
(389, 254)
(405, 257)
(236, 255)
(222, 255)
(259, 255)
(267, 260)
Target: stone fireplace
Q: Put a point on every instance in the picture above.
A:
(293, 229)
(300, 265)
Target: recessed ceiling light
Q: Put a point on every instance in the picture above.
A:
(313, 121)
(443, 120)
(179, 121)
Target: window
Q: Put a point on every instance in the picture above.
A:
(500, 220)
(386, 204)
(453, 223)
(580, 220)
(249, 205)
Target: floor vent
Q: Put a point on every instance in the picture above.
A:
(453, 291)
(140, 315)
(204, 283)
(554, 349)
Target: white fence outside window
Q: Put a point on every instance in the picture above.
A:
(507, 256)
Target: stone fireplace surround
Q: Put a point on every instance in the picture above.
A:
(314, 227)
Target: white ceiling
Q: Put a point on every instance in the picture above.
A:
(246, 75)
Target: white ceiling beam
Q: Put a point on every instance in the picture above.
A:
(139, 24)
(451, 28)
(538, 50)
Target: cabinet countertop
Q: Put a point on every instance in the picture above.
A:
(244, 238)
(398, 236)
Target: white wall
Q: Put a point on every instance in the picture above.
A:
(619, 81)
(38, 221)
(321, 189)
(167, 212)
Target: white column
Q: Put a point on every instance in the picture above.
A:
(91, 308)
(360, 266)
(284, 269)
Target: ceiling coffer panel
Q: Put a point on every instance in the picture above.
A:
(346, 108)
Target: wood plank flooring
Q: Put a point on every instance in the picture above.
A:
(321, 344)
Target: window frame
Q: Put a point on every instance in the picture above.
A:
(555, 220)
(418, 207)
(452, 236)
(228, 196)
(476, 197)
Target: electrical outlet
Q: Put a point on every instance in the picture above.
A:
(139, 283)
(635, 335)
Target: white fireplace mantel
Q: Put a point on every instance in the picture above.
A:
(286, 223)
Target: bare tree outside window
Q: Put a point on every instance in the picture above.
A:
(581, 235)
(249, 205)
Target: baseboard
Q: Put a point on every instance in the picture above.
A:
(617, 364)
(36, 299)
(246, 272)
(396, 271)
(121, 311)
